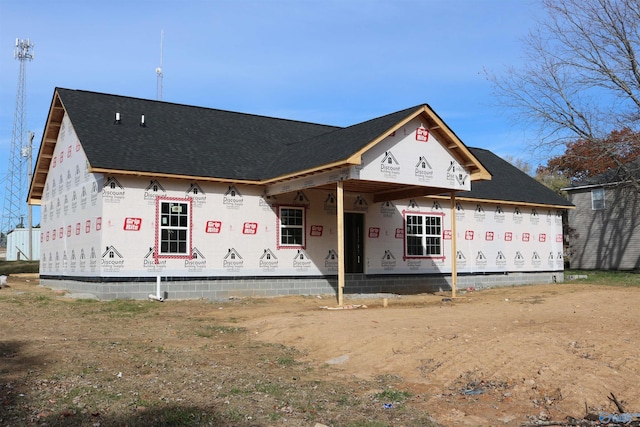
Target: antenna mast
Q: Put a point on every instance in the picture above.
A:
(16, 183)
(159, 71)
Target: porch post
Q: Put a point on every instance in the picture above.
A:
(341, 255)
(454, 251)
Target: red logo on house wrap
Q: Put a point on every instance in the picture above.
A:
(316, 230)
(374, 232)
(213, 227)
(447, 234)
(422, 134)
(132, 224)
(250, 228)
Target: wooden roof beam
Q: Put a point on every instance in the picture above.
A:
(406, 193)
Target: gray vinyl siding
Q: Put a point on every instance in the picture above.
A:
(606, 239)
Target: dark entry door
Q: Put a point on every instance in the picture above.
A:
(354, 242)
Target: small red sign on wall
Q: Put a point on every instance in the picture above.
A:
(422, 134)
(213, 227)
(468, 235)
(399, 233)
(132, 224)
(508, 236)
(526, 237)
(542, 237)
(489, 235)
(374, 232)
(447, 234)
(316, 230)
(250, 228)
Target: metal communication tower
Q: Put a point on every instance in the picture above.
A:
(15, 194)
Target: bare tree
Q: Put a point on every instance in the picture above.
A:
(581, 78)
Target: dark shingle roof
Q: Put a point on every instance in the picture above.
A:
(184, 140)
(198, 142)
(612, 176)
(337, 145)
(509, 183)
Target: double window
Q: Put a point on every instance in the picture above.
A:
(423, 235)
(174, 227)
(292, 227)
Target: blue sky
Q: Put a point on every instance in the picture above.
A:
(334, 62)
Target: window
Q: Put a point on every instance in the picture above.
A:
(292, 226)
(597, 199)
(174, 227)
(423, 237)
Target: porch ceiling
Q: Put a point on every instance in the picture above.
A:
(385, 191)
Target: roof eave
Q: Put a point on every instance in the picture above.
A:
(47, 147)
(172, 176)
(505, 202)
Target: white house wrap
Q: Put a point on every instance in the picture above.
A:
(219, 204)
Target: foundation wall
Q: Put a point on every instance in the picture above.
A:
(224, 288)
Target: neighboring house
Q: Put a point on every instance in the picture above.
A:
(605, 226)
(214, 203)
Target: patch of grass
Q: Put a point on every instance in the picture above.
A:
(85, 301)
(285, 361)
(17, 267)
(390, 395)
(42, 299)
(607, 278)
(270, 388)
(127, 307)
(234, 415)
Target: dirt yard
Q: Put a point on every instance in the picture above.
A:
(501, 357)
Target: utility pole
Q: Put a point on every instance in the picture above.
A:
(159, 71)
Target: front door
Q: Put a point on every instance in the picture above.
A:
(354, 242)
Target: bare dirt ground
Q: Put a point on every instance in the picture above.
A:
(500, 357)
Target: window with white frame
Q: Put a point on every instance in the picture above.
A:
(291, 226)
(174, 227)
(423, 235)
(597, 199)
